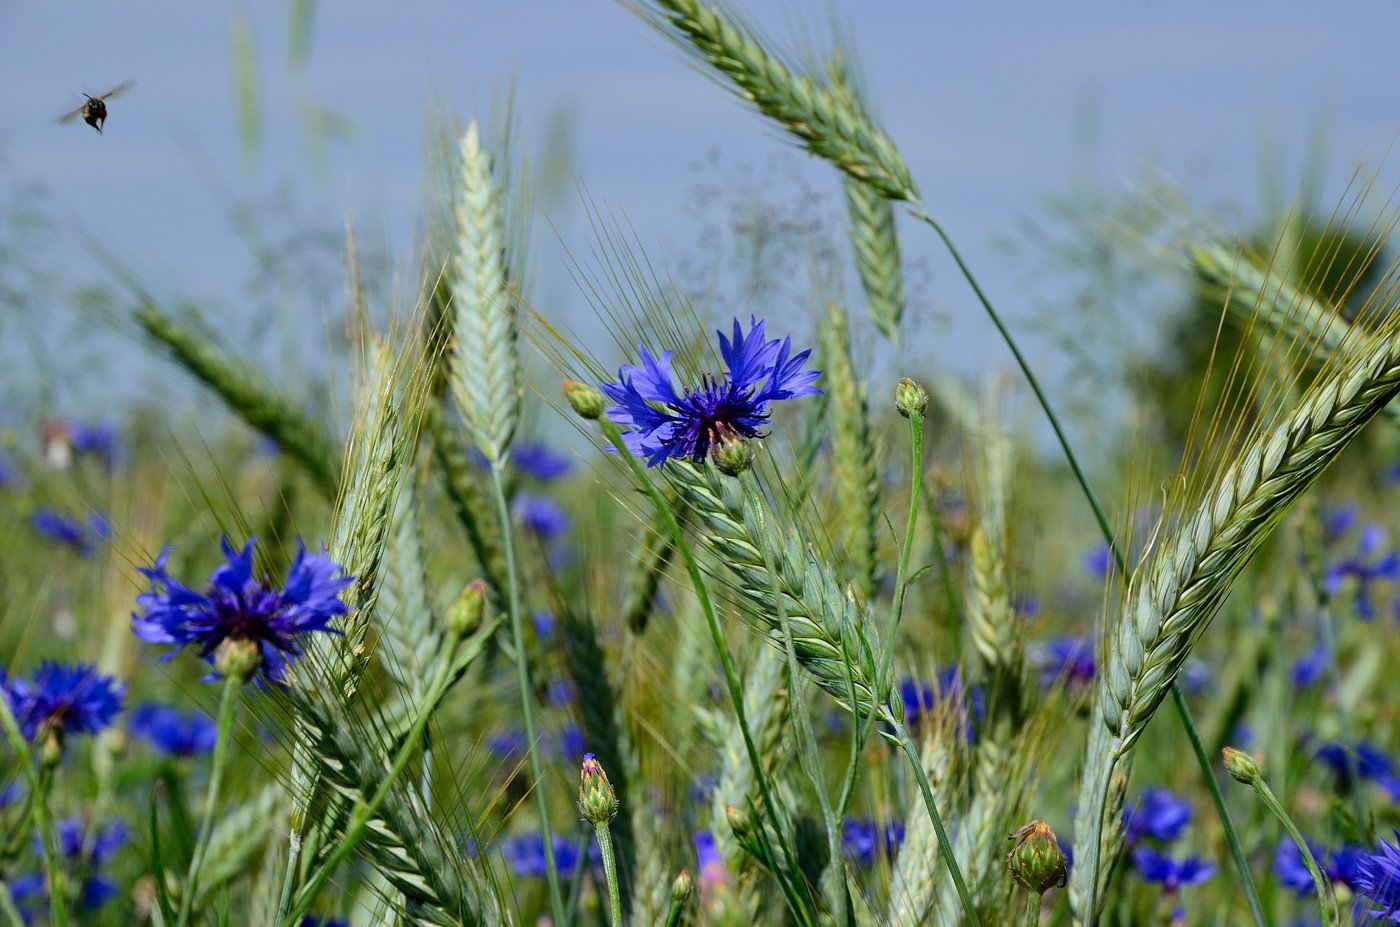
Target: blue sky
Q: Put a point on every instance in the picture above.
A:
(981, 98)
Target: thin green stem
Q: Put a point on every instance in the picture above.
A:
(1232, 839)
(7, 905)
(702, 595)
(228, 709)
(901, 582)
(289, 878)
(673, 914)
(605, 847)
(39, 802)
(1183, 711)
(1033, 910)
(1326, 897)
(522, 669)
(945, 846)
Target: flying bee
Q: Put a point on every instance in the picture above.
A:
(94, 109)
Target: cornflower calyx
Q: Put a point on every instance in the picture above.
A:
(662, 424)
(1036, 861)
(732, 455)
(262, 625)
(465, 613)
(586, 401)
(596, 799)
(910, 398)
(1241, 766)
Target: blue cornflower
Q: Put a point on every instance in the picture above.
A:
(1173, 874)
(237, 607)
(60, 699)
(1341, 865)
(173, 732)
(540, 515)
(315, 920)
(713, 872)
(102, 441)
(541, 462)
(571, 742)
(760, 372)
(1337, 521)
(545, 623)
(525, 855)
(1158, 815)
(1370, 565)
(8, 474)
(863, 839)
(1365, 761)
(922, 700)
(1309, 669)
(1068, 659)
(70, 532)
(1378, 879)
(508, 744)
(1098, 561)
(29, 890)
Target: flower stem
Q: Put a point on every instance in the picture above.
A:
(901, 583)
(228, 708)
(1033, 910)
(1331, 916)
(522, 670)
(605, 847)
(945, 847)
(726, 661)
(7, 905)
(39, 801)
(1183, 711)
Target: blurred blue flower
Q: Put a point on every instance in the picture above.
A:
(1341, 866)
(1337, 521)
(81, 537)
(1309, 669)
(65, 699)
(863, 839)
(544, 623)
(9, 474)
(235, 606)
(1370, 565)
(1069, 660)
(1158, 815)
(1361, 760)
(30, 891)
(1195, 676)
(524, 854)
(540, 515)
(508, 744)
(560, 691)
(541, 462)
(315, 920)
(571, 743)
(1173, 874)
(102, 441)
(760, 372)
(713, 872)
(173, 732)
(1378, 880)
(1098, 561)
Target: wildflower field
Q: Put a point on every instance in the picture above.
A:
(712, 616)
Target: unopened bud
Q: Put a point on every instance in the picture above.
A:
(584, 399)
(596, 799)
(1241, 766)
(732, 455)
(51, 751)
(238, 658)
(910, 398)
(680, 889)
(1036, 862)
(465, 613)
(739, 821)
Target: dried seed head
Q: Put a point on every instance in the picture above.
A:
(910, 398)
(1036, 862)
(1241, 766)
(465, 614)
(596, 799)
(732, 455)
(584, 399)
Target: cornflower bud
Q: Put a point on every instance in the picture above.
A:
(238, 658)
(1036, 862)
(910, 398)
(680, 889)
(732, 455)
(596, 799)
(465, 613)
(1241, 766)
(584, 399)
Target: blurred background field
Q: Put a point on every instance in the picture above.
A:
(276, 188)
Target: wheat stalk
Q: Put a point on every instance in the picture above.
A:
(259, 403)
(484, 375)
(1182, 586)
(825, 122)
(410, 636)
(919, 867)
(854, 474)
